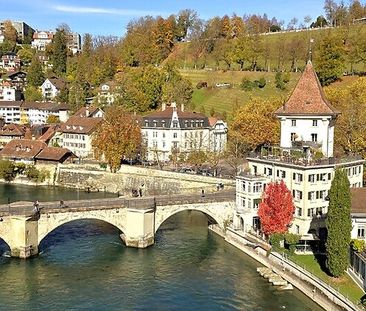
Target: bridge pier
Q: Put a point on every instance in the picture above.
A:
(24, 237)
(140, 231)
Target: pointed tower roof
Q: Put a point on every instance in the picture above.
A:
(308, 97)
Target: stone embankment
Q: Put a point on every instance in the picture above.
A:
(321, 293)
(150, 181)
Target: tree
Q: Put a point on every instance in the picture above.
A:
(32, 94)
(87, 44)
(52, 119)
(351, 124)
(338, 224)
(35, 76)
(10, 32)
(118, 137)
(59, 56)
(320, 22)
(276, 210)
(7, 170)
(329, 59)
(330, 8)
(254, 124)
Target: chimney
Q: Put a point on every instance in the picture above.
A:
(182, 107)
(87, 111)
(163, 106)
(174, 106)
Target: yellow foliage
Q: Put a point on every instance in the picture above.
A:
(255, 123)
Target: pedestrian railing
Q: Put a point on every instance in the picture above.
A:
(27, 208)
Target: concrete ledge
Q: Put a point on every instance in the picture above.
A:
(137, 242)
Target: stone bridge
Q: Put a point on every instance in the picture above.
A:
(138, 219)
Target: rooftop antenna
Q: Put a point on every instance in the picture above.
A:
(311, 50)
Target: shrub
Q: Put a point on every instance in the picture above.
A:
(358, 245)
(261, 83)
(247, 85)
(275, 240)
(36, 175)
(201, 84)
(291, 240)
(7, 170)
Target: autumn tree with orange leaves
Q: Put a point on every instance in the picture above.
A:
(276, 209)
(118, 137)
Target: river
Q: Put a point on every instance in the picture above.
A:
(83, 265)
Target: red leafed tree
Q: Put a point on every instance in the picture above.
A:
(276, 209)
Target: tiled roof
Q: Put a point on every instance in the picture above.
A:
(358, 200)
(308, 97)
(9, 103)
(12, 130)
(50, 106)
(49, 133)
(53, 154)
(212, 121)
(168, 112)
(58, 82)
(83, 111)
(22, 148)
(80, 125)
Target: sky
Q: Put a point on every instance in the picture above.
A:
(110, 17)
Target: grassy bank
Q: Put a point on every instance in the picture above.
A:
(316, 265)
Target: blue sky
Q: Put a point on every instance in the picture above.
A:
(111, 16)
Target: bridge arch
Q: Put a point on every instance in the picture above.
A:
(5, 241)
(165, 214)
(48, 224)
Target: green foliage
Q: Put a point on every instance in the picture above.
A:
(291, 240)
(281, 80)
(358, 245)
(261, 83)
(275, 240)
(338, 224)
(36, 175)
(32, 93)
(59, 56)
(35, 76)
(247, 84)
(330, 59)
(19, 168)
(7, 170)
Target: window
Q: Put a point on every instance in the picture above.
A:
(163, 135)
(361, 232)
(163, 123)
(297, 177)
(175, 135)
(155, 134)
(311, 212)
(257, 187)
(315, 122)
(163, 144)
(175, 123)
(243, 185)
(297, 194)
(293, 122)
(243, 202)
(299, 211)
(312, 178)
(293, 136)
(311, 195)
(314, 138)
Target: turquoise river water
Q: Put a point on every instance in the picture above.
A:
(83, 265)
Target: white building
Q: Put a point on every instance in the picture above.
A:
(74, 42)
(77, 132)
(10, 62)
(21, 112)
(41, 39)
(174, 129)
(108, 92)
(304, 160)
(51, 87)
(9, 93)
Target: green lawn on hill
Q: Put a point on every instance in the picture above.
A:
(225, 99)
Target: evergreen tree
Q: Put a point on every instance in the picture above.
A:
(35, 76)
(339, 224)
(59, 56)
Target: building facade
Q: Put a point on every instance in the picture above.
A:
(175, 130)
(303, 160)
(21, 112)
(51, 87)
(41, 39)
(10, 62)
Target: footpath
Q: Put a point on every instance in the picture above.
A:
(318, 291)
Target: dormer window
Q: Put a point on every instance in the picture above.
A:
(163, 123)
(175, 124)
(155, 123)
(146, 123)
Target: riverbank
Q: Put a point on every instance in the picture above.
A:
(321, 293)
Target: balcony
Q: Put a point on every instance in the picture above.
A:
(300, 157)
